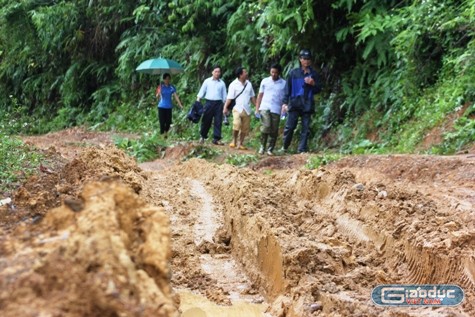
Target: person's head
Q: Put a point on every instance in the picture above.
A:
(305, 57)
(240, 73)
(216, 72)
(275, 71)
(166, 78)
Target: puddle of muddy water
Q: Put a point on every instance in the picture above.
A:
(229, 277)
(193, 305)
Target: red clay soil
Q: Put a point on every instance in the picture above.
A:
(101, 236)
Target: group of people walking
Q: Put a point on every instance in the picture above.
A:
(277, 97)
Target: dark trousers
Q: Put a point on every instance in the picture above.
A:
(165, 119)
(291, 124)
(213, 110)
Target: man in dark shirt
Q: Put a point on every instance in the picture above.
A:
(302, 84)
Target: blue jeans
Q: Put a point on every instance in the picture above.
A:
(213, 109)
(291, 124)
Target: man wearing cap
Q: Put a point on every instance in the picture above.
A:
(302, 84)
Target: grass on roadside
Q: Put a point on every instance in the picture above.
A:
(18, 162)
(315, 161)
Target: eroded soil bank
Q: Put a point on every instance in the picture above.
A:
(317, 242)
(102, 252)
(100, 236)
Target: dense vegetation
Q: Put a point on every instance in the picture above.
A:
(393, 70)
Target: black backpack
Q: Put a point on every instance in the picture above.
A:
(195, 113)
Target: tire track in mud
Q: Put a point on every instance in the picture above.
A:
(208, 220)
(222, 268)
(313, 237)
(205, 273)
(424, 266)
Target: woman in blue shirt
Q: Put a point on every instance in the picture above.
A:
(164, 93)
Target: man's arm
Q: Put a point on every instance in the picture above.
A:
(254, 102)
(318, 83)
(226, 106)
(288, 92)
(202, 91)
(227, 101)
(259, 100)
(223, 93)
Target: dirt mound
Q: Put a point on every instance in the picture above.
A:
(105, 254)
(280, 162)
(52, 186)
(416, 168)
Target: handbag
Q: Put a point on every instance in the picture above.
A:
(233, 101)
(195, 113)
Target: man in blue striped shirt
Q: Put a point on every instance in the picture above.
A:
(213, 90)
(302, 84)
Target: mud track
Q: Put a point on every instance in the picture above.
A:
(201, 239)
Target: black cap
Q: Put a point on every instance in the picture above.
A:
(305, 53)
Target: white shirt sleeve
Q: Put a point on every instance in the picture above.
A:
(201, 93)
(262, 87)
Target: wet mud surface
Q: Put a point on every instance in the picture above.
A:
(99, 235)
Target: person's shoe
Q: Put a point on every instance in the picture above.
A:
(261, 150)
(217, 142)
(242, 147)
(269, 152)
(283, 151)
(202, 140)
(232, 145)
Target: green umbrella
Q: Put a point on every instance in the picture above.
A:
(159, 66)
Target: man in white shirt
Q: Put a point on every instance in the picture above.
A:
(242, 92)
(269, 105)
(213, 90)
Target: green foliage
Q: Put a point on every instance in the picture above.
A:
(241, 160)
(147, 148)
(13, 117)
(315, 161)
(202, 152)
(423, 75)
(463, 134)
(393, 70)
(18, 161)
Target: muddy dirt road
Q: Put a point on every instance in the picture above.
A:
(98, 235)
